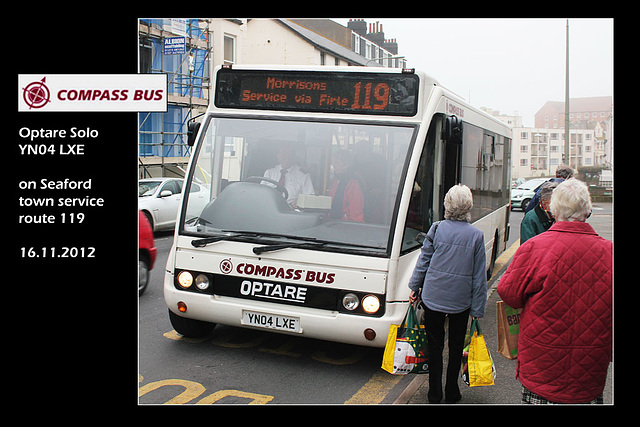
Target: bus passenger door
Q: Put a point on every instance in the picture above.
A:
(452, 156)
(452, 136)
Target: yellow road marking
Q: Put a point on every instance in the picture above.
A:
(375, 390)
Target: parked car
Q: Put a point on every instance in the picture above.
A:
(523, 193)
(159, 199)
(146, 251)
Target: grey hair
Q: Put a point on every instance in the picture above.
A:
(570, 201)
(458, 203)
(564, 171)
(546, 189)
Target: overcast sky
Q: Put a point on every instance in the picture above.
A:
(510, 65)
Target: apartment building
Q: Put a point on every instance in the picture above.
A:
(539, 151)
(595, 108)
(586, 113)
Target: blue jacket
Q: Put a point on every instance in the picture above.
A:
(452, 269)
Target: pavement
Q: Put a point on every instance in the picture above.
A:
(507, 390)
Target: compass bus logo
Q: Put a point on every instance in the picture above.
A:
(36, 94)
(92, 92)
(226, 266)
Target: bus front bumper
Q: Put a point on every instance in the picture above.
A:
(314, 323)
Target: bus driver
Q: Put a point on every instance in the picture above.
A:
(289, 175)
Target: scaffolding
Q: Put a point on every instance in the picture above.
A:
(181, 49)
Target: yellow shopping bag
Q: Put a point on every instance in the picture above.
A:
(478, 368)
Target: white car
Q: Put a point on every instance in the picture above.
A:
(160, 198)
(523, 193)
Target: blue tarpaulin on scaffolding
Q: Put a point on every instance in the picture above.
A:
(170, 128)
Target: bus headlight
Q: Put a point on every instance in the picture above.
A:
(370, 304)
(185, 279)
(202, 281)
(350, 301)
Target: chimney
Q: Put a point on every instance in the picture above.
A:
(375, 34)
(391, 45)
(358, 26)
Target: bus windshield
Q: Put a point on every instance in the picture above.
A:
(333, 186)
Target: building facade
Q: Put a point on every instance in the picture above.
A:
(597, 108)
(585, 113)
(537, 152)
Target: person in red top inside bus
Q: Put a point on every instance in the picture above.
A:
(346, 190)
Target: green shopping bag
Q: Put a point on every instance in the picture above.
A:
(406, 348)
(477, 364)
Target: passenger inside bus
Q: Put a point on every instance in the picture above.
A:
(371, 167)
(346, 190)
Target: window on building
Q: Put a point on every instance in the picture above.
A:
(229, 49)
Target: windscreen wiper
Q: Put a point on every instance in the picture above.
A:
(277, 246)
(199, 243)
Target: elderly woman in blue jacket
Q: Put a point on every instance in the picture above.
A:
(451, 271)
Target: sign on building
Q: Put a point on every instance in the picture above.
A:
(174, 45)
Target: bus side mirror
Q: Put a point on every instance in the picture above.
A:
(192, 132)
(452, 131)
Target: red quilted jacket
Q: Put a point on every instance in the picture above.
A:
(562, 279)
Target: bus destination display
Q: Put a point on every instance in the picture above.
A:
(330, 92)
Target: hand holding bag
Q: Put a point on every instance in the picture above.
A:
(477, 365)
(406, 349)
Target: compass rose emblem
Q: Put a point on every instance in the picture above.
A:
(226, 266)
(36, 94)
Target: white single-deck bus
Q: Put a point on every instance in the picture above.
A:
(325, 249)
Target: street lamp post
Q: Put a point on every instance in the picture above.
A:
(386, 57)
(567, 154)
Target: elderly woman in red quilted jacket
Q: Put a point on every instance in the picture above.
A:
(562, 279)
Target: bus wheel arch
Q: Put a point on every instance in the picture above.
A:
(190, 328)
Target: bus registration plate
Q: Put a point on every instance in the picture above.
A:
(271, 321)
